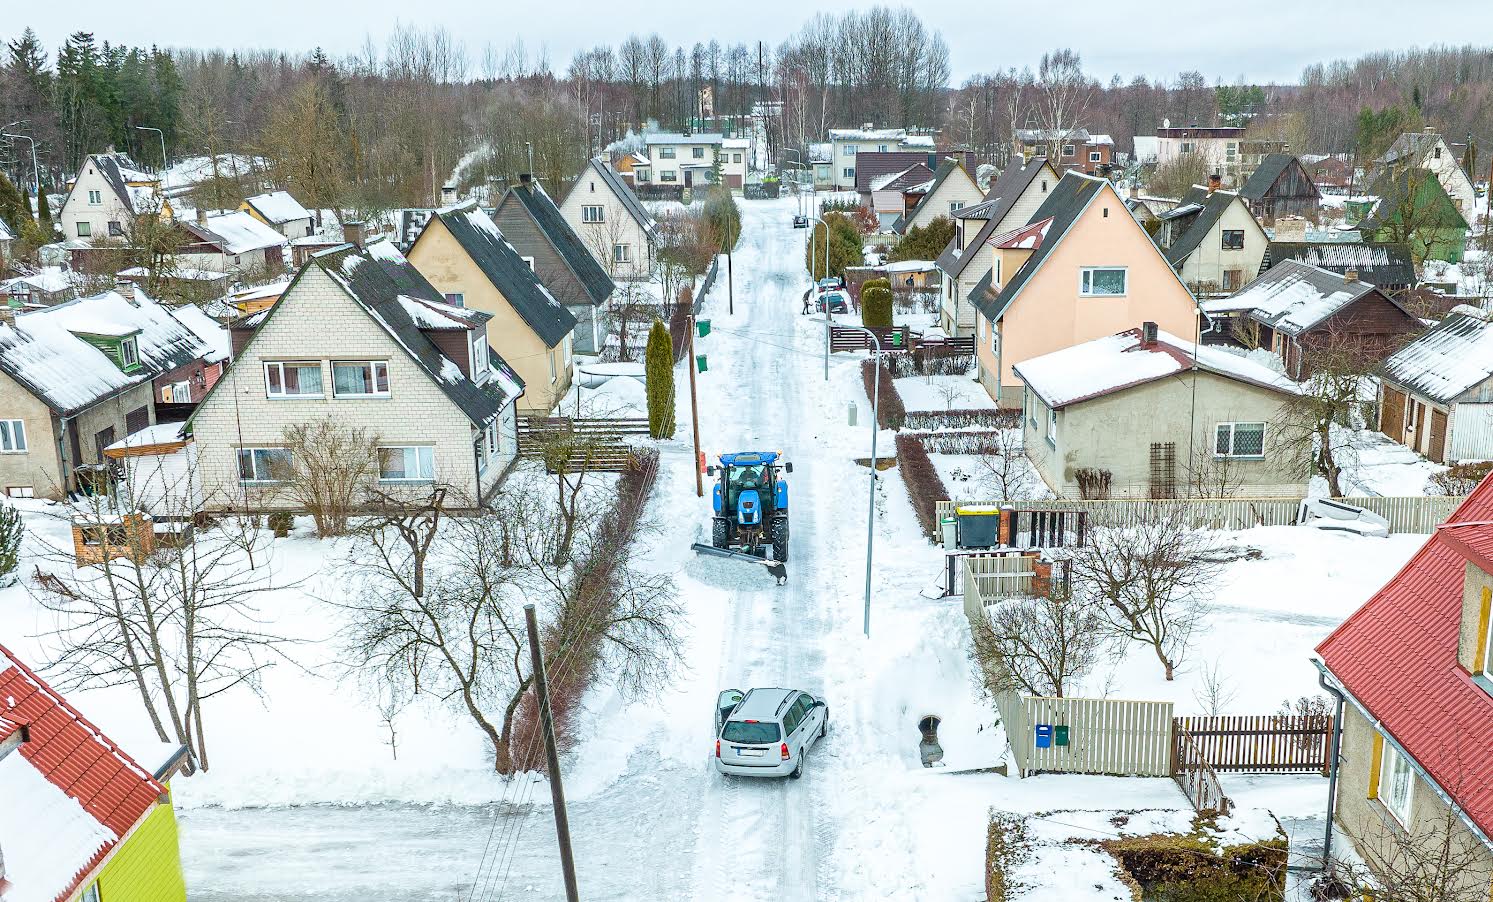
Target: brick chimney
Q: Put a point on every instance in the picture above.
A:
(1290, 228)
(1148, 332)
(352, 233)
(1215, 181)
(1351, 275)
(448, 194)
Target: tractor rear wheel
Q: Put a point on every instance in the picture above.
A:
(720, 533)
(780, 540)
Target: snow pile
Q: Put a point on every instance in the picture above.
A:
(47, 836)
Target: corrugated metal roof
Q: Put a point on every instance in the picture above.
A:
(1453, 357)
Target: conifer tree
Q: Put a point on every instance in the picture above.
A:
(658, 371)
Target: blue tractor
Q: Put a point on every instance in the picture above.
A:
(750, 499)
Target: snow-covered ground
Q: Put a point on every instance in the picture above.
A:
(938, 393)
(305, 800)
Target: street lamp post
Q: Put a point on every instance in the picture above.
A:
(35, 170)
(159, 134)
(813, 237)
(875, 431)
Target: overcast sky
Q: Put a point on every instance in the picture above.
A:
(1263, 41)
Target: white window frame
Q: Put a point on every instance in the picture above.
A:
(477, 349)
(1086, 281)
(1488, 651)
(181, 392)
(9, 431)
(1052, 426)
(20, 491)
(1394, 763)
(593, 213)
(1069, 150)
(1233, 431)
(424, 459)
(697, 153)
(95, 198)
(1095, 156)
(882, 148)
(129, 352)
(995, 339)
(554, 371)
(370, 368)
(668, 175)
(848, 150)
(258, 478)
(529, 261)
(456, 298)
(621, 253)
(278, 366)
(666, 153)
(955, 206)
(85, 229)
(848, 172)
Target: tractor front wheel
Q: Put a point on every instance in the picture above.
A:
(780, 540)
(720, 533)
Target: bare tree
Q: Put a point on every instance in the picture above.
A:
(1040, 645)
(1439, 861)
(330, 465)
(1319, 429)
(1214, 692)
(1211, 475)
(1063, 97)
(1004, 465)
(1150, 580)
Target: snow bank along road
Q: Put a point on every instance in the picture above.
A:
(649, 816)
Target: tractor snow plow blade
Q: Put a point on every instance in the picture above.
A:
(726, 552)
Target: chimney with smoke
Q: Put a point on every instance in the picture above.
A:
(448, 194)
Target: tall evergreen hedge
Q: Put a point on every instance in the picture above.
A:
(658, 371)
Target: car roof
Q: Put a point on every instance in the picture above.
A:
(761, 704)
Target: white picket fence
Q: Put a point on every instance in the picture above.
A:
(1104, 736)
(1407, 513)
(991, 577)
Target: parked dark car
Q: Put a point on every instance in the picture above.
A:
(800, 222)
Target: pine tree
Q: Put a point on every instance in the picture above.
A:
(43, 210)
(15, 210)
(11, 530)
(658, 371)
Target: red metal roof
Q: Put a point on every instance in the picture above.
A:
(73, 755)
(1397, 655)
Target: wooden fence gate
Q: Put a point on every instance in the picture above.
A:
(1274, 743)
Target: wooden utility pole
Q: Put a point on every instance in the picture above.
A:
(694, 406)
(557, 790)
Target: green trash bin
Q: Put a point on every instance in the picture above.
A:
(979, 526)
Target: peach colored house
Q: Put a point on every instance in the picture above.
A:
(1081, 268)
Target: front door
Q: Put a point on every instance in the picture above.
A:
(689, 178)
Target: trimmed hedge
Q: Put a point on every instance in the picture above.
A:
(891, 413)
(963, 419)
(967, 441)
(876, 307)
(1188, 868)
(926, 362)
(925, 487)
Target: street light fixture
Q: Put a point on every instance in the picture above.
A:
(35, 170)
(160, 134)
(875, 431)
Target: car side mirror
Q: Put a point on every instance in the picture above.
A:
(788, 467)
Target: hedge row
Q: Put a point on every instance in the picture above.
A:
(963, 419)
(891, 414)
(924, 486)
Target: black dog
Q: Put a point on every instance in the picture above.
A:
(779, 571)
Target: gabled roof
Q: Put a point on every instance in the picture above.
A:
(946, 169)
(236, 232)
(43, 352)
(1117, 362)
(1293, 298)
(1382, 263)
(119, 170)
(70, 793)
(1064, 205)
(593, 278)
(1002, 196)
(278, 207)
(1211, 207)
(1265, 175)
(1410, 145)
(483, 241)
(1394, 187)
(629, 200)
(867, 134)
(903, 180)
(872, 166)
(1397, 657)
(1448, 360)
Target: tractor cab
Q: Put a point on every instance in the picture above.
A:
(750, 501)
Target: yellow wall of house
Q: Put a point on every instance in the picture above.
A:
(147, 867)
(448, 267)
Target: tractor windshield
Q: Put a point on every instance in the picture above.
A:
(742, 479)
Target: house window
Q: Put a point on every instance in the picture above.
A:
(20, 491)
(1487, 669)
(995, 340)
(848, 172)
(1188, 147)
(116, 230)
(593, 213)
(641, 173)
(263, 464)
(359, 378)
(1436, 152)
(1031, 407)
(407, 463)
(1396, 783)
(881, 148)
(456, 299)
(1068, 150)
(285, 379)
(1240, 440)
(477, 347)
(1233, 279)
(668, 175)
(666, 153)
(955, 206)
(1044, 186)
(85, 229)
(621, 253)
(1052, 426)
(1102, 281)
(736, 158)
(12, 436)
(177, 393)
(1233, 239)
(129, 353)
(95, 198)
(91, 894)
(1094, 156)
(848, 150)
(554, 373)
(697, 153)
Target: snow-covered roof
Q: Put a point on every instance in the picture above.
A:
(868, 134)
(159, 434)
(239, 233)
(42, 350)
(1027, 237)
(1116, 362)
(50, 279)
(48, 836)
(427, 314)
(185, 274)
(917, 141)
(820, 152)
(212, 332)
(1292, 297)
(736, 143)
(260, 292)
(278, 207)
(1452, 358)
(911, 266)
(680, 138)
(186, 173)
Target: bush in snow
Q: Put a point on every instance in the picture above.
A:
(659, 375)
(11, 531)
(1038, 646)
(924, 486)
(1460, 479)
(890, 412)
(876, 305)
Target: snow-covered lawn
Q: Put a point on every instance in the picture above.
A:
(969, 476)
(938, 393)
(1377, 465)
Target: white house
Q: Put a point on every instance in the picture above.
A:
(1428, 150)
(109, 191)
(953, 189)
(735, 161)
(611, 220)
(845, 143)
(687, 160)
(233, 243)
(281, 212)
(1212, 240)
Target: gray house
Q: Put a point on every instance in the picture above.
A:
(1436, 393)
(533, 224)
(1195, 420)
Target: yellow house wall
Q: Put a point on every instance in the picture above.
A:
(1049, 314)
(448, 267)
(147, 866)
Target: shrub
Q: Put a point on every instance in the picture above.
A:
(924, 242)
(1093, 483)
(723, 217)
(876, 307)
(1188, 868)
(970, 441)
(11, 530)
(963, 419)
(658, 371)
(280, 523)
(929, 362)
(924, 486)
(890, 412)
(844, 246)
(1461, 479)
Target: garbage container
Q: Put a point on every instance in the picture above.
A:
(979, 526)
(948, 530)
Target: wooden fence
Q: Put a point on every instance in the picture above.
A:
(990, 577)
(1409, 514)
(843, 339)
(589, 443)
(1198, 779)
(1267, 743)
(1101, 736)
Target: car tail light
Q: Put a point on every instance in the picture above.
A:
(717, 748)
(785, 751)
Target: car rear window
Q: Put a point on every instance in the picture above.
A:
(750, 731)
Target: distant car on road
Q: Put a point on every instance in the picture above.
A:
(830, 283)
(800, 222)
(767, 732)
(836, 300)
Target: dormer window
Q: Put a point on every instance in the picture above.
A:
(129, 354)
(477, 347)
